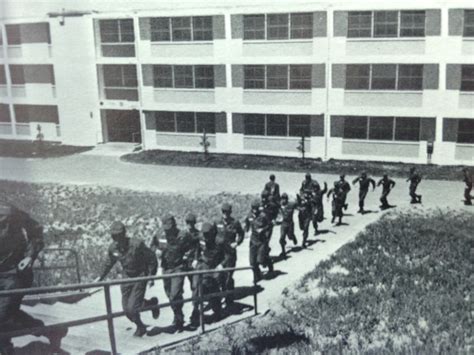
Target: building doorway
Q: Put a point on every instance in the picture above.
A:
(121, 126)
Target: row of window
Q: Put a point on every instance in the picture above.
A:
(22, 74)
(382, 128)
(183, 76)
(278, 26)
(185, 122)
(277, 77)
(277, 125)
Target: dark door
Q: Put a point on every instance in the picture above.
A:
(123, 126)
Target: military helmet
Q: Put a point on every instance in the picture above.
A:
(226, 207)
(284, 196)
(190, 218)
(168, 222)
(255, 204)
(265, 193)
(117, 228)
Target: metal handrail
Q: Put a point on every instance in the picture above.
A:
(109, 316)
(62, 267)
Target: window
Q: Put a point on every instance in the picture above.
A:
(13, 34)
(466, 131)
(3, 77)
(300, 77)
(254, 77)
(381, 128)
(385, 23)
(160, 29)
(120, 76)
(181, 29)
(407, 128)
(277, 26)
(17, 74)
(183, 76)
(384, 76)
(357, 76)
(412, 23)
(410, 77)
(277, 125)
(355, 127)
(299, 125)
(467, 78)
(185, 122)
(301, 25)
(359, 24)
(277, 77)
(254, 26)
(202, 28)
(5, 113)
(163, 76)
(116, 31)
(468, 23)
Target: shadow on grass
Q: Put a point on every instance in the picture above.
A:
(39, 347)
(265, 344)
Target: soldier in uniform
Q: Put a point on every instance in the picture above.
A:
(344, 188)
(387, 186)
(211, 255)
(259, 253)
(287, 228)
(137, 260)
(364, 184)
(192, 236)
(173, 250)
(337, 203)
(308, 185)
(273, 188)
(305, 214)
(468, 180)
(318, 207)
(414, 179)
(21, 239)
(230, 232)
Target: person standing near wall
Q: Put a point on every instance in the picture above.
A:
(414, 179)
(387, 186)
(364, 185)
(468, 180)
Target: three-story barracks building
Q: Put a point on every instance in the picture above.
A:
(359, 79)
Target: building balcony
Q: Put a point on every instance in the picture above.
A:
(33, 93)
(30, 52)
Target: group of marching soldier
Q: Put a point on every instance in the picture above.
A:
(213, 247)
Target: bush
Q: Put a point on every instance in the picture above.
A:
(401, 287)
(79, 217)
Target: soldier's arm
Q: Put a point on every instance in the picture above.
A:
(355, 180)
(325, 188)
(380, 182)
(34, 235)
(277, 191)
(149, 257)
(392, 184)
(240, 232)
(109, 263)
(372, 182)
(330, 192)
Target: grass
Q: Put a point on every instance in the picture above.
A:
(29, 149)
(265, 162)
(403, 286)
(79, 217)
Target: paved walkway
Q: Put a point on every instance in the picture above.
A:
(109, 170)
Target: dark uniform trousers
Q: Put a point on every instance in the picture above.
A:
(210, 284)
(227, 279)
(286, 229)
(383, 198)
(362, 196)
(133, 299)
(174, 291)
(259, 253)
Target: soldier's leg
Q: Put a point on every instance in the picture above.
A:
(283, 233)
(362, 195)
(211, 285)
(315, 223)
(306, 230)
(176, 295)
(467, 196)
(291, 233)
(9, 306)
(301, 219)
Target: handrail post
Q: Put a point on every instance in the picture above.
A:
(110, 321)
(255, 292)
(78, 273)
(201, 304)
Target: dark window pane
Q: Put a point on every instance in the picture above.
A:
(183, 76)
(301, 25)
(407, 128)
(357, 76)
(383, 76)
(277, 26)
(160, 29)
(181, 27)
(385, 23)
(359, 24)
(381, 128)
(162, 76)
(17, 74)
(206, 121)
(277, 125)
(467, 78)
(468, 23)
(5, 113)
(466, 131)
(165, 121)
(112, 75)
(254, 77)
(300, 77)
(202, 28)
(185, 122)
(410, 77)
(277, 77)
(204, 76)
(412, 23)
(254, 26)
(126, 30)
(3, 77)
(129, 75)
(109, 31)
(254, 125)
(299, 125)
(355, 127)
